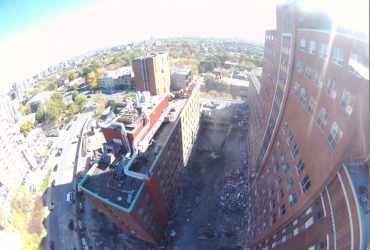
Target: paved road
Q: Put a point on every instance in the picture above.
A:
(57, 225)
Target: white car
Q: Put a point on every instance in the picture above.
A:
(69, 198)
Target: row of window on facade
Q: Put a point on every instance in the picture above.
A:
(337, 54)
(314, 212)
(336, 132)
(331, 88)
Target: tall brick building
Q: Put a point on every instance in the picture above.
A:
(134, 179)
(152, 73)
(309, 136)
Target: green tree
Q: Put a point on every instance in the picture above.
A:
(25, 109)
(74, 75)
(73, 109)
(92, 80)
(74, 94)
(80, 101)
(40, 114)
(26, 127)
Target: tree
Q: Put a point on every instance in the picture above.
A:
(74, 94)
(73, 75)
(80, 101)
(25, 109)
(26, 127)
(40, 114)
(73, 109)
(92, 80)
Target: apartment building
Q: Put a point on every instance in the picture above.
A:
(121, 78)
(152, 73)
(310, 152)
(180, 78)
(135, 177)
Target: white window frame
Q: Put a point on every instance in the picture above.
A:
(335, 135)
(294, 151)
(312, 105)
(324, 51)
(319, 81)
(354, 59)
(312, 47)
(302, 44)
(331, 88)
(304, 184)
(299, 166)
(322, 118)
(289, 138)
(345, 102)
(338, 56)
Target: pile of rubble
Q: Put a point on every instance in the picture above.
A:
(234, 193)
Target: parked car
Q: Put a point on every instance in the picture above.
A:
(51, 206)
(51, 245)
(55, 168)
(70, 224)
(70, 198)
(68, 127)
(53, 183)
(59, 152)
(75, 118)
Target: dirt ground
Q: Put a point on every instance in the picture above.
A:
(209, 209)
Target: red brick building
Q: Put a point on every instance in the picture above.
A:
(309, 137)
(134, 179)
(152, 73)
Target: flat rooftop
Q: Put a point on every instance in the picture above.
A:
(101, 179)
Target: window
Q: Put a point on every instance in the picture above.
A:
(300, 66)
(299, 166)
(273, 156)
(292, 199)
(271, 191)
(282, 154)
(303, 96)
(272, 204)
(276, 167)
(322, 119)
(285, 126)
(273, 219)
(289, 182)
(331, 89)
(278, 143)
(278, 180)
(294, 151)
(282, 210)
(354, 62)
(296, 88)
(281, 194)
(324, 51)
(319, 78)
(345, 102)
(338, 55)
(305, 184)
(264, 212)
(289, 139)
(311, 105)
(312, 47)
(285, 167)
(335, 135)
(139, 209)
(308, 72)
(302, 44)
(265, 200)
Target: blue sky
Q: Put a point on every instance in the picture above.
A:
(21, 14)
